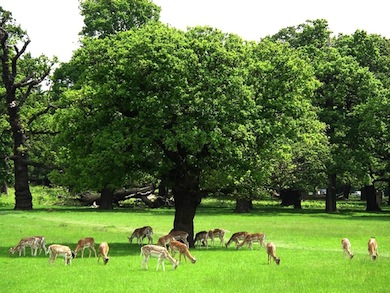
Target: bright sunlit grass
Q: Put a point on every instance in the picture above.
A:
(308, 243)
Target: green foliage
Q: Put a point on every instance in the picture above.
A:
(308, 244)
(349, 69)
(167, 102)
(103, 18)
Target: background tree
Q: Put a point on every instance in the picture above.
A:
(103, 18)
(344, 85)
(21, 75)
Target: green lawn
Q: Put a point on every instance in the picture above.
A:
(308, 243)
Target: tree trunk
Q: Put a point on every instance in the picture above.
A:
(243, 205)
(106, 199)
(346, 190)
(291, 197)
(4, 188)
(23, 198)
(331, 206)
(372, 202)
(187, 196)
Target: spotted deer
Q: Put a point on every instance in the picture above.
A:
(34, 243)
(236, 237)
(220, 233)
(84, 243)
(141, 233)
(373, 248)
(346, 244)
(56, 249)
(250, 238)
(161, 253)
(271, 252)
(103, 252)
(176, 246)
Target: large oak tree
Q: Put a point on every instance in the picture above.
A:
(196, 109)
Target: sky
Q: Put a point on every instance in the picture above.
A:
(53, 25)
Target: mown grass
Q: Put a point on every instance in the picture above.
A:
(308, 243)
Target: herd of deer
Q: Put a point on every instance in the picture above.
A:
(176, 241)
(54, 250)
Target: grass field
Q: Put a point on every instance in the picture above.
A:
(308, 243)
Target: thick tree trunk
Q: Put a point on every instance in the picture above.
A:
(187, 196)
(330, 205)
(291, 197)
(372, 202)
(243, 205)
(106, 199)
(185, 210)
(23, 198)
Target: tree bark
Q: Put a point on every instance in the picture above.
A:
(23, 197)
(331, 198)
(106, 199)
(372, 202)
(291, 197)
(187, 196)
(346, 190)
(243, 206)
(4, 188)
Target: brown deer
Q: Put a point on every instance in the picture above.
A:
(84, 243)
(201, 239)
(250, 238)
(175, 245)
(236, 237)
(346, 244)
(180, 236)
(141, 233)
(271, 250)
(220, 233)
(373, 248)
(56, 249)
(103, 251)
(164, 240)
(161, 253)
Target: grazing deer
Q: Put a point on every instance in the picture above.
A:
(164, 240)
(33, 242)
(161, 253)
(180, 236)
(220, 233)
(373, 248)
(103, 251)
(271, 250)
(201, 238)
(250, 238)
(346, 247)
(141, 233)
(41, 241)
(56, 249)
(182, 249)
(84, 243)
(236, 237)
